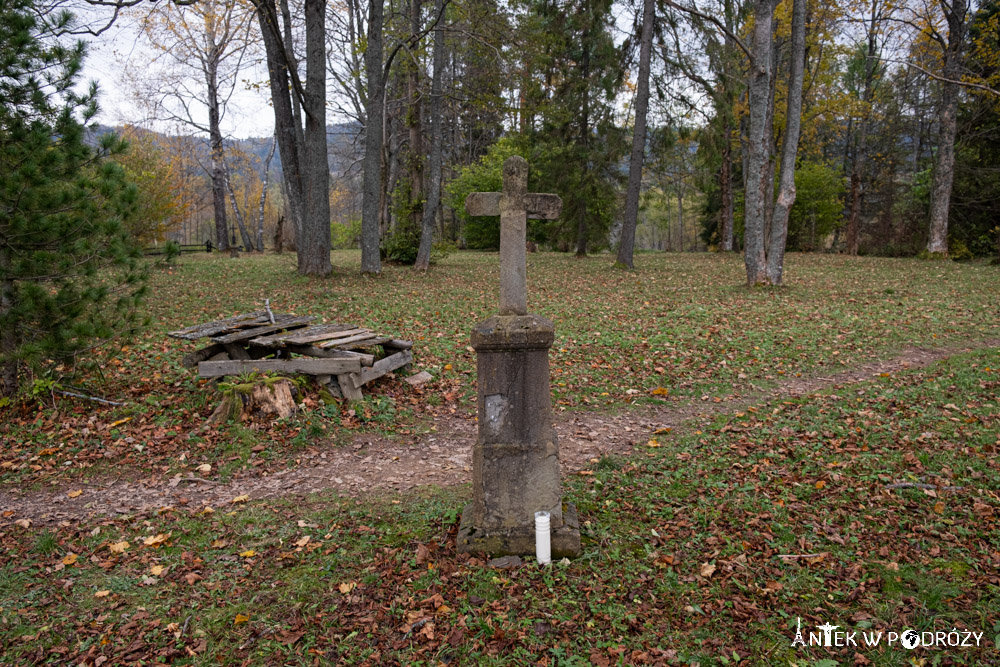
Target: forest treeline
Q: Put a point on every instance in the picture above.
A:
(865, 127)
(756, 126)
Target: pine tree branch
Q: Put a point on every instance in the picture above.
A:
(714, 21)
(943, 79)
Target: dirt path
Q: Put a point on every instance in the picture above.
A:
(442, 458)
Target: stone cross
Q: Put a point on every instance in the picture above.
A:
(514, 205)
(515, 461)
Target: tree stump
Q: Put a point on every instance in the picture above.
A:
(263, 400)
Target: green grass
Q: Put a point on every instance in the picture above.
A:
(738, 490)
(681, 322)
(804, 476)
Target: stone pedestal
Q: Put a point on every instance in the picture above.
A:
(515, 468)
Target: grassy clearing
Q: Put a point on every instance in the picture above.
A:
(680, 566)
(682, 323)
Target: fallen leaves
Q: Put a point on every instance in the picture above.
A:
(347, 587)
(240, 499)
(102, 594)
(707, 570)
(118, 547)
(240, 619)
(289, 637)
(157, 570)
(249, 553)
(75, 494)
(156, 541)
(70, 559)
(23, 523)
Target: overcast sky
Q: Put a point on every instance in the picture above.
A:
(121, 47)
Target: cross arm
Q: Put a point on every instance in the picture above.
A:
(537, 206)
(542, 206)
(482, 203)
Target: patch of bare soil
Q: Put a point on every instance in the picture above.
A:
(441, 458)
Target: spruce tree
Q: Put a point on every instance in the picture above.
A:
(70, 277)
(576, 73)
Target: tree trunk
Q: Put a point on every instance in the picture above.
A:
(434, 177)
(287, 135)
(8, 337)
(626, 244)
(861, 153)
(757, 144)
(263, 196)
(293, 65)
(371, 204)
(790, 147)
(772, 144)
(313, 245)
(680, 216)
(414, 126)
(726, 188)
(581, 226)
(956, 14)
(218, 174)
(944, 170)
(244, 234)
(855, 212)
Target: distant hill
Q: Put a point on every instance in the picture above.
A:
(344, 147)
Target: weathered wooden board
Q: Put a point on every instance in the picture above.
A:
(301, 336)
(347, 388)
(366, 339)
(192, 359)
(381, 367)
(247, 334)
(372, 341)
(218, 326)
(330, 335)
(397, 344)
(236, 351)
(313, 351)
(211, 369)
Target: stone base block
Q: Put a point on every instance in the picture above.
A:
(520, 541)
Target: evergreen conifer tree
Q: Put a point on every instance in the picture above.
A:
(70, 277)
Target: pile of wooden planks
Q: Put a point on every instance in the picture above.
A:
(344, 357)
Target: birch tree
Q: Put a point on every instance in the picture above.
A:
(199, 52)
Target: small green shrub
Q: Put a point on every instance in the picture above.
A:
(402, 246)
(345, 236)
(960, 252)
(171, 251)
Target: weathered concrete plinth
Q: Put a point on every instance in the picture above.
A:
(565, 540)
(515, 468)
